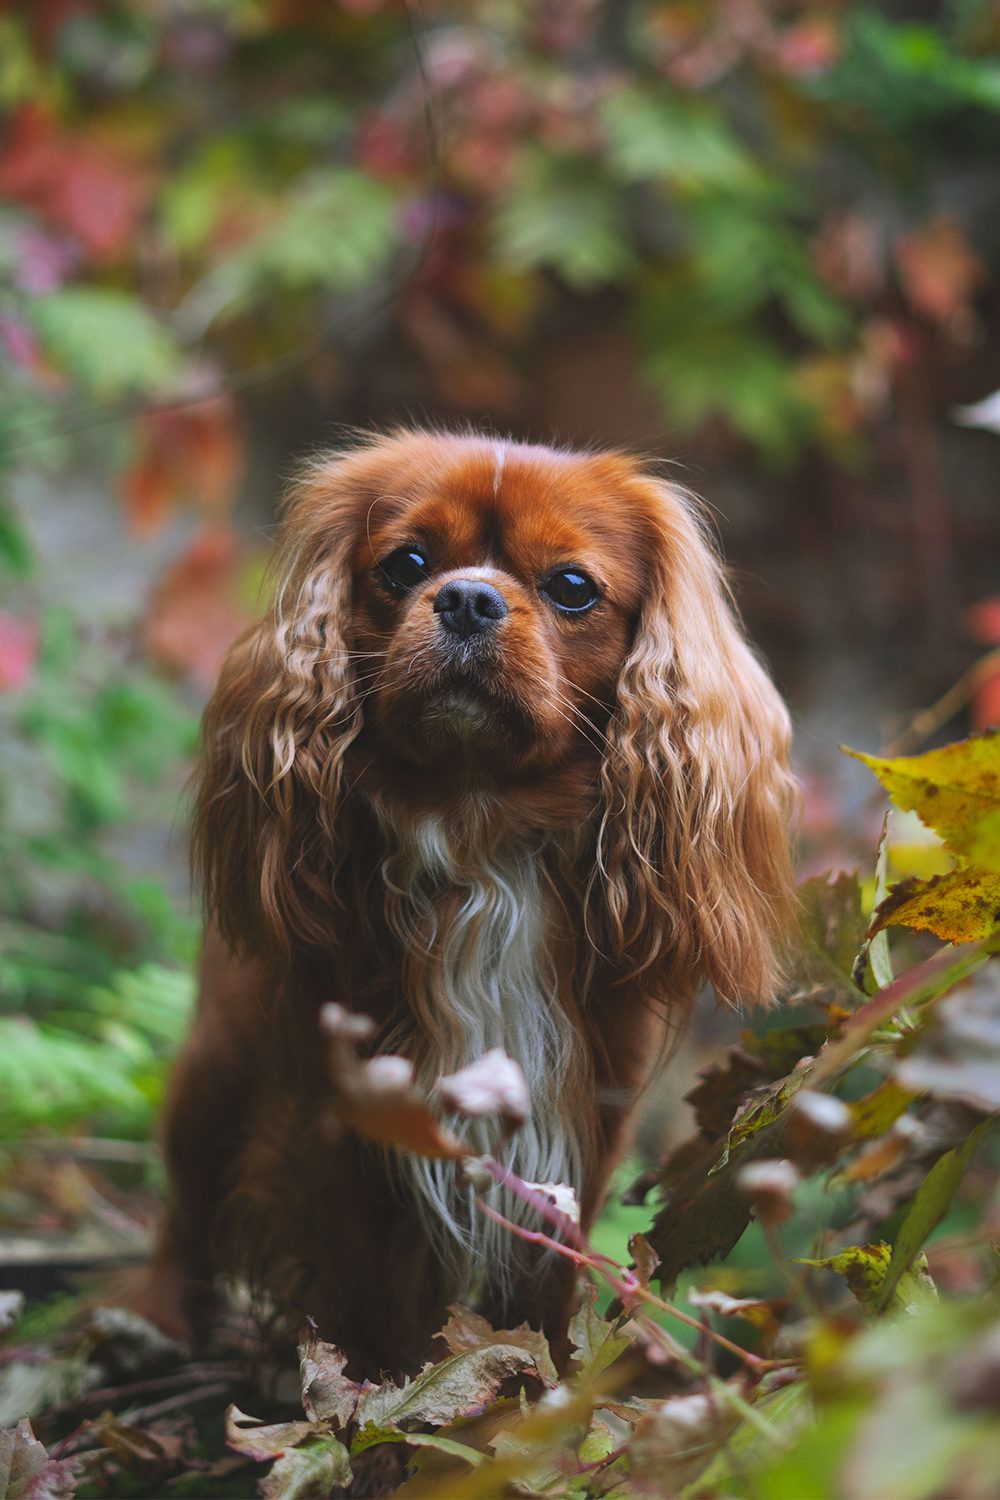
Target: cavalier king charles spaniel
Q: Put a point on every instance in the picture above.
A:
(497, 769)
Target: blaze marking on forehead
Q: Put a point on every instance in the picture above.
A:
(522, 509)
(499, 457)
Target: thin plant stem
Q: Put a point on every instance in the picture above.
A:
(622, 1281)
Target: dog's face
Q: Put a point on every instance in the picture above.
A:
(553, 628)
(495, 601)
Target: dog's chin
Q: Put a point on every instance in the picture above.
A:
(465, 726)
(461, 714)
(478, 726)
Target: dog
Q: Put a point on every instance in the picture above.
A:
(497, 769)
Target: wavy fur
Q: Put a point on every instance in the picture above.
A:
(543, 839)
(693, 866)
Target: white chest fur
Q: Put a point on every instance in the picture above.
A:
(477, 931)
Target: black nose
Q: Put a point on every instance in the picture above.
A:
(468, 606)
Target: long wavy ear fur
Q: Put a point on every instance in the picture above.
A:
(276, 731)
(693, 850)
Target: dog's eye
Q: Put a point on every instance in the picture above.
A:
(571, 590)
(404, 569)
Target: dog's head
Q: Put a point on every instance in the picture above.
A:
(458, 615)
(496, 590)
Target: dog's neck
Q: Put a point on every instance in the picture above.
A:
(483, 939)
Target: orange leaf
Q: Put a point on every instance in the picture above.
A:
(148, 492)
(196, 613)
(192, 456)
(940, 273)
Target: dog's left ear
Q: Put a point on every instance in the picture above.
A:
(694, 844)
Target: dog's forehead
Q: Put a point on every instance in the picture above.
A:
(519, 501)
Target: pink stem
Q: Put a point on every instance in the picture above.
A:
(623, 1282)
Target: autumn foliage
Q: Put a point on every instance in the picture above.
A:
(762, 237)
(874, 1098)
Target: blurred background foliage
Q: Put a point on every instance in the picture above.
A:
(760, 239)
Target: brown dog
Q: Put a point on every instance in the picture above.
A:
(498, 769)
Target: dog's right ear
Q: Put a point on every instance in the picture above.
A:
(277, 729)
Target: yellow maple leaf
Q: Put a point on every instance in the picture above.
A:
(960, 907)
(954, 790)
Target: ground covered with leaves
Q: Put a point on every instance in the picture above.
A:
(808, 1305)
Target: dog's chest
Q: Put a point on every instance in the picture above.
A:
(479, 929)
(479, 932)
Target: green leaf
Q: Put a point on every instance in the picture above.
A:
(874, 950)
(702, 361)
(459, 1386)
(99, 1060)
(786, 1412)
(865, 1269)
(309, 1472)
(927, 1209)
(20, 66)
(15, 550)
(904, 75)
(107, 340)
(335, 232)
(746, 257)
(560, 213)
(598, 1343)
(373, 1436)
(832, 926)
(657, 134)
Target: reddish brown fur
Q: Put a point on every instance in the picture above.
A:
(640, 744)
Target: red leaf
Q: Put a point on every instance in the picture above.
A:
(18, 650)
(47, 18)
(148, 491)
(983, 623)
(983, 620)
(986, 703)
(809, 47)
(91, 186)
